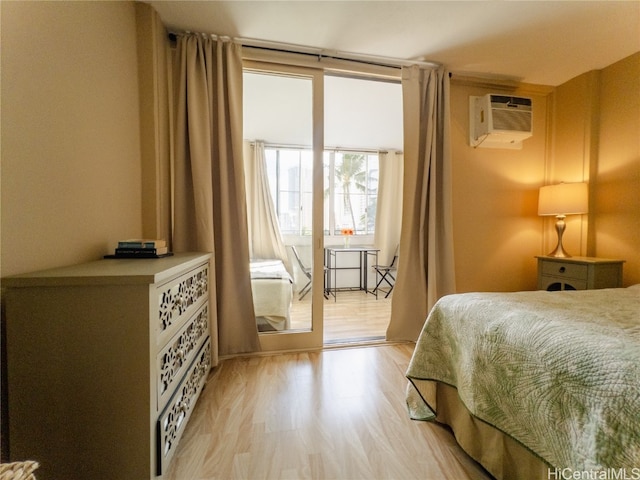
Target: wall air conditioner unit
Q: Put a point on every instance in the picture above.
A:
(499, 121)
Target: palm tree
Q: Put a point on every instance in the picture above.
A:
(351, 173)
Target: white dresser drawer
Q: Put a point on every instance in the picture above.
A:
(179, 352)
(174, 418)
(178, 298)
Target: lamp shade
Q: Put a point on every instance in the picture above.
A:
(563, 199)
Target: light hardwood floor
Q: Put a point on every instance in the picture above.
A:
(337, 413)
(352, 315)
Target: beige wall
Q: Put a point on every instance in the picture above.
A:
(153, 64)
(495, 191)
(574, 147)
(617, 173)
(597, 139)
(70, 132)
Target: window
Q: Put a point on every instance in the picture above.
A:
(290, 174)
(351, 179)
(351, 190)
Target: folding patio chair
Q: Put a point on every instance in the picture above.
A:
(385, 274)
(307, 272)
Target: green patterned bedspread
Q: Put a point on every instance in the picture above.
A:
(557, 371)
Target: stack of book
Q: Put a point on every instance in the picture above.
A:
(141, 248)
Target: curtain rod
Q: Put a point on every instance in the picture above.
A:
(333, 54)
(317, 52)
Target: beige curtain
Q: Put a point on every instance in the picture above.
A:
(426, 266)
(209, 188)
(389, 206)
(265, 239)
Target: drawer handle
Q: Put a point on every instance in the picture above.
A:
(562, 269)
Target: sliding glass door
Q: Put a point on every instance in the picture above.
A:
(283, 131)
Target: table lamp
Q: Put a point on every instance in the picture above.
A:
(562, 200)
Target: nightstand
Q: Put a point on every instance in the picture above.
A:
(578, 273)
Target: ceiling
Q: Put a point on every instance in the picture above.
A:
(539, 42)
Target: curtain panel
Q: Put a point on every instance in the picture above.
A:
(426, 264)
(209, 186)
(265, 239)
(389, 206)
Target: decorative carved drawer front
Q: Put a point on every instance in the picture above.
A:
(176, 297)
(179, 352)
(174, 418)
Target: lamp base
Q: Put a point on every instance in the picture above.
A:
(559, 251)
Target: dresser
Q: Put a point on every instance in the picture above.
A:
(105, 363)
(578, 273)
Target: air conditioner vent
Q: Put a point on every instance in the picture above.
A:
(519, 121)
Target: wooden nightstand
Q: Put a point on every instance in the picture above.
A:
(578, 273)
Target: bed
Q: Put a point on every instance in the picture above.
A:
(535, 384)
(272, 289)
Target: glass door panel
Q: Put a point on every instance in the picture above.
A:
(279, 119)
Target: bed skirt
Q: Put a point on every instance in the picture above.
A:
(502, 456)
